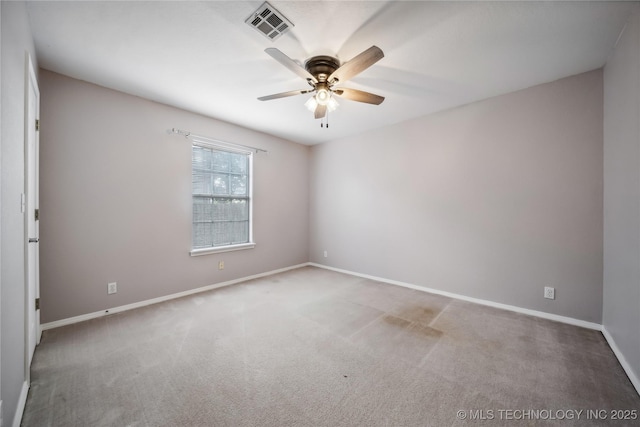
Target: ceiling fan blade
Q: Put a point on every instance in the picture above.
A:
(284, 94)
(321, 111)
(359, 95)
(290, 64)
(357, 65)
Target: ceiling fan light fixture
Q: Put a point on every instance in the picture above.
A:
(311, 104)
(332, 104)
(323, 96)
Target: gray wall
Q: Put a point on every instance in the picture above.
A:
(621, 312)
(493, 200)
(116, 200)
(16, 42)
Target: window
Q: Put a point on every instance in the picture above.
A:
(221, 199)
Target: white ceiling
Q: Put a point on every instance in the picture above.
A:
(202, 57)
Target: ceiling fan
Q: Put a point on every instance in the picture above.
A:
(324, 74)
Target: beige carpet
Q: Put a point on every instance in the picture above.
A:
(312, 347)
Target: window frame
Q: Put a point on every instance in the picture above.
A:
(230, 148)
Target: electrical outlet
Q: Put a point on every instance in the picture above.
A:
(112, 288)
(325, 254)
(221, 265)
(549, 292)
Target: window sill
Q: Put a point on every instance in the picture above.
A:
(219, 249)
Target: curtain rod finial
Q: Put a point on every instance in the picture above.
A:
(179, 132)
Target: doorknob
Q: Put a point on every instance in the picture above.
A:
(33, 240)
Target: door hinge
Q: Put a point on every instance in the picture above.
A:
(37, 215)
(37, 303)
(37, 124)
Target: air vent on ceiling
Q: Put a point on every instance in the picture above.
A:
(269, 22)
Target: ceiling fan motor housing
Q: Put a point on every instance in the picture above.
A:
(321, 67)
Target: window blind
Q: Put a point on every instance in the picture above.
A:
(221, 197)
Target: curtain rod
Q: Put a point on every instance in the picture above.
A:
(188, 134)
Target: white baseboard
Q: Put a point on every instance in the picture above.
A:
(95, 315)
(536, 313)
(625, 365)
(22, 401)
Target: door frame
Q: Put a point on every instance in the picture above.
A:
(30, 117)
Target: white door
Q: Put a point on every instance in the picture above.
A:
(32, 117)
